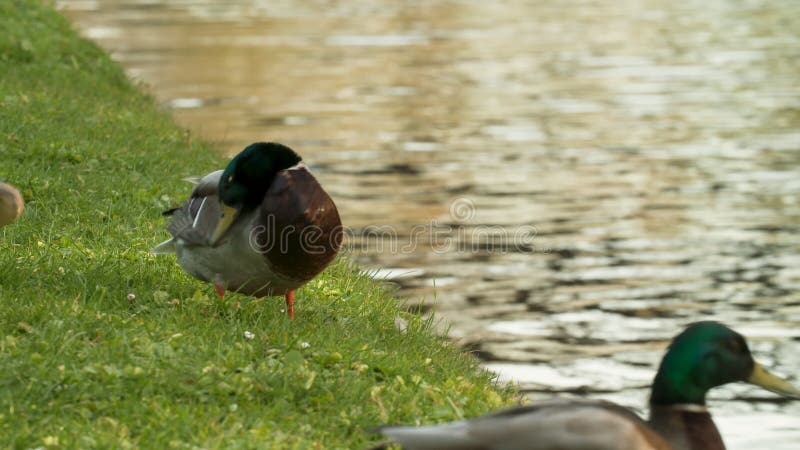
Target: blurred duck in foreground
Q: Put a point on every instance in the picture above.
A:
(704, 356)
(11, 204)
(263, 226)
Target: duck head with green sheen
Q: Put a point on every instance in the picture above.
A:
(707, 355)
(248, 177)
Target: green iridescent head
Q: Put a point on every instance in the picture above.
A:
(250, 173)
(706, 355)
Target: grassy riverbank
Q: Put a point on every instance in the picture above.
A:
(85, 367)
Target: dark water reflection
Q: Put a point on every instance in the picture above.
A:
(653, 146)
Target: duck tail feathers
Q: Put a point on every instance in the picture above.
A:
(165, 247)
(193, 180)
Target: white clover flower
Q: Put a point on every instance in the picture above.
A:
(248, 335)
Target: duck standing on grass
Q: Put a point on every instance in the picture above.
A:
(704, 356)
(263, 226)
(11, 204)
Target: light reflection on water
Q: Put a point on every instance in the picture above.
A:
(653, 146)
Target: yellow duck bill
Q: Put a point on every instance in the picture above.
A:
(763, 378)
(227, 217)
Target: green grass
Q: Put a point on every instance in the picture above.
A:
(81, 366)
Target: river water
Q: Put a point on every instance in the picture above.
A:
(566, 183)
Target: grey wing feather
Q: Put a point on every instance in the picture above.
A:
(208, 185)
(560, 424)
(195, 221)
(448, 436)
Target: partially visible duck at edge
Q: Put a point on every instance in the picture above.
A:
(262, 226)
(705, 355)
(11, 204)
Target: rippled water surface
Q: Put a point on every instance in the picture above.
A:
(567, 183)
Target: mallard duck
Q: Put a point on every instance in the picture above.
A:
(262, 226)
(11, 204)
(704, 356)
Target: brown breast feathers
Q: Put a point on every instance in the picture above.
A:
(301, 232)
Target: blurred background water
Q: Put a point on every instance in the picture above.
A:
(566, 183)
